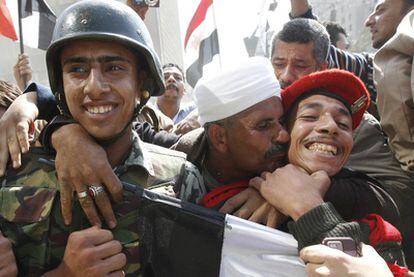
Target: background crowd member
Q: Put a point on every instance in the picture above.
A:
(360, 64)
(103, 73)
(22, 71)
(337, 35)
(170, 102)
(394, 78)
(391, 25)
(322, 110)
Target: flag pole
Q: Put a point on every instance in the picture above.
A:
(215, 23)
(19, 10)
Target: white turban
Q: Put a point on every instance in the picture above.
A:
(235, 89)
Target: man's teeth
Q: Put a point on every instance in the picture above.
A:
(325, 148)
(100, 109)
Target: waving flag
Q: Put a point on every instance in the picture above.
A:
(6, 23)
(201, 41)
(183, 239)
(38, 21)
(219, 33)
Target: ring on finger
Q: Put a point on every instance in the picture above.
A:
(95, 190)
(82, 194)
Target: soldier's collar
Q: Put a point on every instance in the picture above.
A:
(139, 156)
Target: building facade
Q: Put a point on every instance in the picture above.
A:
(351, 15)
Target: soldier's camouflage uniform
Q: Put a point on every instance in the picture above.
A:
(30, 213)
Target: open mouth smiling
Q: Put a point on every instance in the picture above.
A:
(322, 148)
(100, 109)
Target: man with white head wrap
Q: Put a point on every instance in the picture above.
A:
(241, 110)
(235, 89)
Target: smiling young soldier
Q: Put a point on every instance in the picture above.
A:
(323, 109)
(103, 71)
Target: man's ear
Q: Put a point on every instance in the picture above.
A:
(217, 136)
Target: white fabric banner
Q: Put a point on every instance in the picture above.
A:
(251, 249)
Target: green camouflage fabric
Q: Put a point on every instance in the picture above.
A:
(30, 213)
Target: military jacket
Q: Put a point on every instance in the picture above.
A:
(30, 215)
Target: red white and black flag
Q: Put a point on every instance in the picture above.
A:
(38, 21)
(201, 42)
(183, 239)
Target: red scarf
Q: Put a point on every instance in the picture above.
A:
(222, 193)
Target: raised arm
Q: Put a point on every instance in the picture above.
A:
(300, 8)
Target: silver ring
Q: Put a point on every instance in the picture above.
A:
(82, 194)
(94, 190)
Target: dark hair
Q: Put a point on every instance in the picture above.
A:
(302, 30)
(173, 65)
(8, 93)
(409, 2)
(334, 29)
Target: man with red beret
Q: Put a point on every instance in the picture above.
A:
(323, 109)
(300, 48)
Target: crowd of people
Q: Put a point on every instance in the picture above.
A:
(312, 140)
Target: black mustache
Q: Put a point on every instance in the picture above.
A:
(172, 86)
(276, 150)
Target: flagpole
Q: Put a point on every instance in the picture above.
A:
(215, 23)
(19, 10)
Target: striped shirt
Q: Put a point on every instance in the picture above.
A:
(360, 64)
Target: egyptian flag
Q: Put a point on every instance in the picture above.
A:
(6, 22)
(38, 21)
(201, 41)
(183, 239)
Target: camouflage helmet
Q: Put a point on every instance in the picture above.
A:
(106, 20)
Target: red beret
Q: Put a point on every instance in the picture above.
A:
(341, 84)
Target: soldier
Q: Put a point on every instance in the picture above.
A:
(100, 67)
